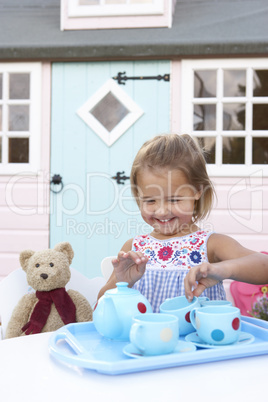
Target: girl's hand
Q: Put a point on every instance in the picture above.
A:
(200, 278)
(129, 267)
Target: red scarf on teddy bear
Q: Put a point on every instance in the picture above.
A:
(63, 303)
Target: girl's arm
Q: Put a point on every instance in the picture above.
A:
(129, 266)
(227, 260)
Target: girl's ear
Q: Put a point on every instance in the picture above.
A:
(198, 194)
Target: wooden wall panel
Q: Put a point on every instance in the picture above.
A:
(241, 210)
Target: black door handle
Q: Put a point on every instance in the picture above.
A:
(56, 181)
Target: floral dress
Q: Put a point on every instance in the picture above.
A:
(169, 263)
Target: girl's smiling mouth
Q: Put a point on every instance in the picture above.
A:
(164, 220)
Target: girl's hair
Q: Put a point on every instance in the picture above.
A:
(179, 152)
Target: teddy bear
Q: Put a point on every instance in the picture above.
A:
(51, 306)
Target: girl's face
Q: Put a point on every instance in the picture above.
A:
(166, 200)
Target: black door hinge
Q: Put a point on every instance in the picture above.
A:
(121, 77)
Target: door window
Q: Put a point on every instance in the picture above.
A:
(225, 108)
(110, 112)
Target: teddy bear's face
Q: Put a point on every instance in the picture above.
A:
(48, 270)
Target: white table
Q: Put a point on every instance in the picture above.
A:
(29, 374)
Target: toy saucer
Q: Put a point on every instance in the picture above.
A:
(182, 347)
(244, 338)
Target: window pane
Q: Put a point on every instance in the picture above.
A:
(204, 117)
(0, 149)
(88, 2)
(1, 119)
(260, 151)
(260, 117)
(109, 111)
(115, 1)
(234, 83)
(141, 1)
(208, 144)
(94, 2)
(233, 150)
(233, 116)
(260, 83)
(18, 150)
(19, 86)
(1, 86)
(18, 118)
(205, 83)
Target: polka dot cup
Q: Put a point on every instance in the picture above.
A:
(209, 303)
(154, 334)
(181, 308)
(217, 325)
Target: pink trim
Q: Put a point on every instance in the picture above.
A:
(24, 200)
(175, 101)
(46, 106)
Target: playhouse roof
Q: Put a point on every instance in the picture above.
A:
(30, 30)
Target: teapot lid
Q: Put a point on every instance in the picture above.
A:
(122, 289)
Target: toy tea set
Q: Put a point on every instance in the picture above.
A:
(126, 336)
(124, 314)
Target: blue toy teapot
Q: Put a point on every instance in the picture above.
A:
(113, 313)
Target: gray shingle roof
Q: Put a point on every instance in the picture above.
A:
(30, 30)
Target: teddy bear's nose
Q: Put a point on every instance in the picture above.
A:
(44, 276)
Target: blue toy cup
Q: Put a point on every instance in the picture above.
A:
(202, 299)
(217, 325)
(218, 303)
(154, 334)
(181, 308)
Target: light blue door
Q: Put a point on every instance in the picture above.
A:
(92, 211)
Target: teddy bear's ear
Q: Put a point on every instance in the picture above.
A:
(65, 248)
(24, 258)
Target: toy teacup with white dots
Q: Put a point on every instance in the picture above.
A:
(154, 334)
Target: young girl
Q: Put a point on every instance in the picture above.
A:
(173, 191)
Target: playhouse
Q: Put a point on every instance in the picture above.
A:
(84, 83)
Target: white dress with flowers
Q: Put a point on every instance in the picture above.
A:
(169, 262)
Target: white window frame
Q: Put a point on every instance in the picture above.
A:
(34, 133)
(188, 101)
(77, 10)
(135, 112)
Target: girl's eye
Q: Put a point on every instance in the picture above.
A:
(51, 264)
(150, 201)
(37, 265)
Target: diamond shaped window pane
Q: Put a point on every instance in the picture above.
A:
(110, 112)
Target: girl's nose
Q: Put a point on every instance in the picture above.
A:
(162, 209)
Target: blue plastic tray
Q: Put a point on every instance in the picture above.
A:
(81, 345)
(252, 320)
